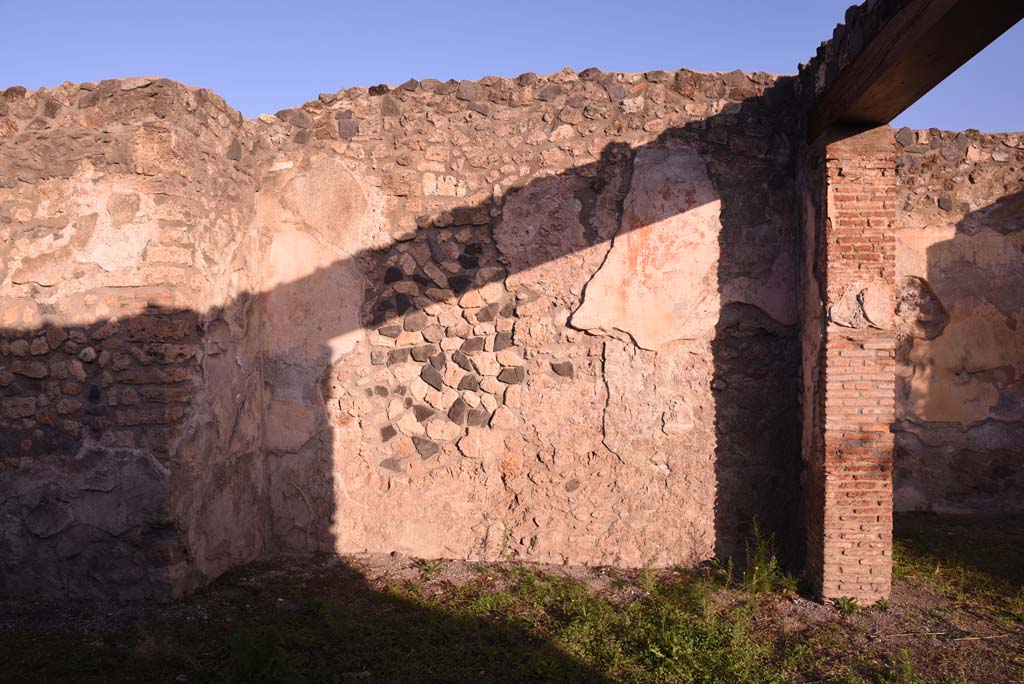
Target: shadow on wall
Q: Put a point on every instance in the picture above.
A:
(98, 501)
(960, 400)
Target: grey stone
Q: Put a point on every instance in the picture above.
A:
(390, 330)
(469, 90)
(398, 356)
(388, 432)
(459, 330)
(439, 360)
(432, 377)
(393, 463)
(945, 203)
(423, 352)
(422, 412)
(478, 417)
(459, 412)
(905, 137)
(513, 375)
(433, 333)
(550, 92)
(89, 99)
(378, 357)
(502, 340)
(389, 106)
(416, 321)
(462, 361)
(563, 368)
(403, 303)
(446, 88)
(951, 151)
(616, 90)
(50, 108)
(347, 128)
(460, 283)
(488, 313)
(436, 251)
(297, 117)
(470, 382)
(472, 346)
(425, 447)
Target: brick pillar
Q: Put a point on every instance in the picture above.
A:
(852, 390)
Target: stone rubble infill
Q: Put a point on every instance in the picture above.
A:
(354, 321)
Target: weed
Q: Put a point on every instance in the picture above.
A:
(1017, 606)
(762, 573)
(846, 605)
(726, 568)
(681, 647)
(648, 580)
(429, 569)
(257, 656)
(904, 672)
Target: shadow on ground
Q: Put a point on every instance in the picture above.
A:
(392, 619)
(986, 548)
(319, 620)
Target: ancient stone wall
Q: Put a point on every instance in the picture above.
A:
(534, 374)
(546, 318)
(861, 24)
(128, 395)
(960, 391)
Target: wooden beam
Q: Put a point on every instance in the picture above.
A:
(922, 44)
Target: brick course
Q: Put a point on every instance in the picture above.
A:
(856, 262)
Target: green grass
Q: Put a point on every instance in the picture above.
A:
(978, 571)
(513, 624)
(325, 624)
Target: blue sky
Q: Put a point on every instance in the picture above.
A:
(264, 56)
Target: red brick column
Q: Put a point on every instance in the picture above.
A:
(850, 528)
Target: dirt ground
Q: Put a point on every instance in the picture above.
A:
(956, 615)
